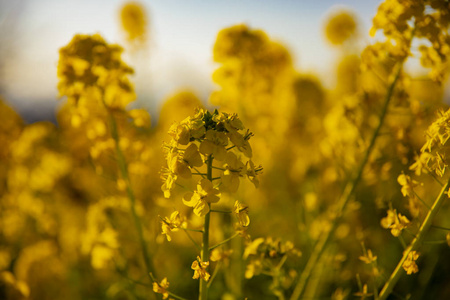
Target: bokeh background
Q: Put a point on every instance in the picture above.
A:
(180, 36)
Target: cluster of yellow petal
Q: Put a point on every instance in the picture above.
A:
(409, 264)
(161, 288)
(90, 70)
(429, 20)
(134, 22)
(205, 135)
(340, 27)
(395, 222)
(199, 268)
(434, 153)
(264, 254)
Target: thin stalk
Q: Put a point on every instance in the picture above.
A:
(347, 194)
(193, 241)
(205, 247)
(224, 241)
(440, 227)
(423, 202)
(415, 244)
(221, 211)
(199, 173)
(137, 222)
(216, 271)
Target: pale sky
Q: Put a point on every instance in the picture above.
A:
(181, 37)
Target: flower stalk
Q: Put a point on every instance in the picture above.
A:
(415, 244)
(347, 194)
(205, 245)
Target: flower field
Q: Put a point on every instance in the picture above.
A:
(276, 187)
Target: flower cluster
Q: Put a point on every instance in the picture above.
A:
(428, 20)
(395, 222)
(197, 141)
(266, 253)
(89, 69)
(435, 152)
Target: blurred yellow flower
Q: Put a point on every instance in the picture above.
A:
(241, 212)
(134, 21)
(161, 288)
(340, 27)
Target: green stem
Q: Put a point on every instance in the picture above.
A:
(440, 227)
(137, 222)
(193, 241)
(224, 241)
(221, 211)
(415, 244)
(216, 270)
(205, 247)
(199, 173)
(347, 194)
(176, 296)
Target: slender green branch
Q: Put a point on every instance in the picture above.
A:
(440, 227)
(200, 173)
(347, 194)
(435, 242)
(217, 168)
(193, 241)
(205, 246)
(221, 211)
(125, 176)
(193, 230)
(176, 296)
(435, 178)
(402, 241)
(216, 270)
(183, 187)
(415, 244)
(224, 241)
(423, 202)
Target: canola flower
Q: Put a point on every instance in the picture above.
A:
(66, 192)
(212, 147)
(340, 27)
(134, 21)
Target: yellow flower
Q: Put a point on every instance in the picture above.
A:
(252, 172)
(409, 264)
(202, 197)
(234, 169)
(242, 213)
(168, 225)
(408, 185)
(214, 143)
(363, 294)
(169, 179)
(161, 288)
(395, 222)
(180, 161)
(340, 27)
(180, 132)
(199, 268)
(134, 21)
(368, 258)
(241, 143)
(91, 68)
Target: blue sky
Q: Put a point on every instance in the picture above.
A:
(181, 34)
